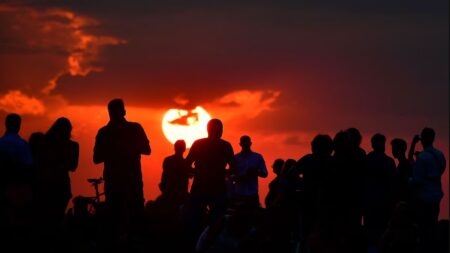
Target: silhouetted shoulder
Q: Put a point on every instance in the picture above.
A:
(102, 130)
(391, 160)
(305, 158)
(226, 143)
(74, 144)
(135, 125)
(199, 142)
(257, 154)
(361, 152)
(167, 161)
(137, 128)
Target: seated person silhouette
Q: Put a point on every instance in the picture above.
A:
(176, 173)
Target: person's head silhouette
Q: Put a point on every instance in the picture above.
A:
(342, 143)
(12, 123)
(35, 142)
(355, 136)
(180, 147)
(427, 137)
(60, 130)
(398, 148)
(322, 145)
(245, 143)
(378, 143)
(215, 129)
(278, 166)
(116, 109)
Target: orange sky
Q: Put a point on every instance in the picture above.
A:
(280, 71)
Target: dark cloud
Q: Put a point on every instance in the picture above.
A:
(137, 7)
(197, 49)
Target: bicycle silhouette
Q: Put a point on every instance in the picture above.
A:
(92, 205)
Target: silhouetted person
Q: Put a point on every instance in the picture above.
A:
(315, 168)
(356, 164)
(119, 146)
(55, 156)
(15, 190)
(379, 189)
(275, 184)
(356, 138)
(347, 183)
(250, 166)
(37, 142)
(210, 155)
(288, 207)
(15, 153)
(427, 171)
(288, 173)
(176, 173)
(343, 196)
(403, 171)
(277, 166)
(290, 179)
(59, 155)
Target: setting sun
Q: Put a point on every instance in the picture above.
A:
(188, 125)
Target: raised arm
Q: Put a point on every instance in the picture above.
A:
(412, 149)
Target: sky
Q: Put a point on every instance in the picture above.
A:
(279, 71)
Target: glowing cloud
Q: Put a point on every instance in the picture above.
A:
(56, 31)
(16, 101)
(248, 103)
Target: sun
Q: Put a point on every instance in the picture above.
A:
(187, 125)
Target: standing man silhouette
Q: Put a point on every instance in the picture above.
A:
(176, 173)
(210, 156)
(15, 165)
(378, 193)
(119, 145)
(427, 172)
(250, 166)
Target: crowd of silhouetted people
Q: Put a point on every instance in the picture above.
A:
(337, 198)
